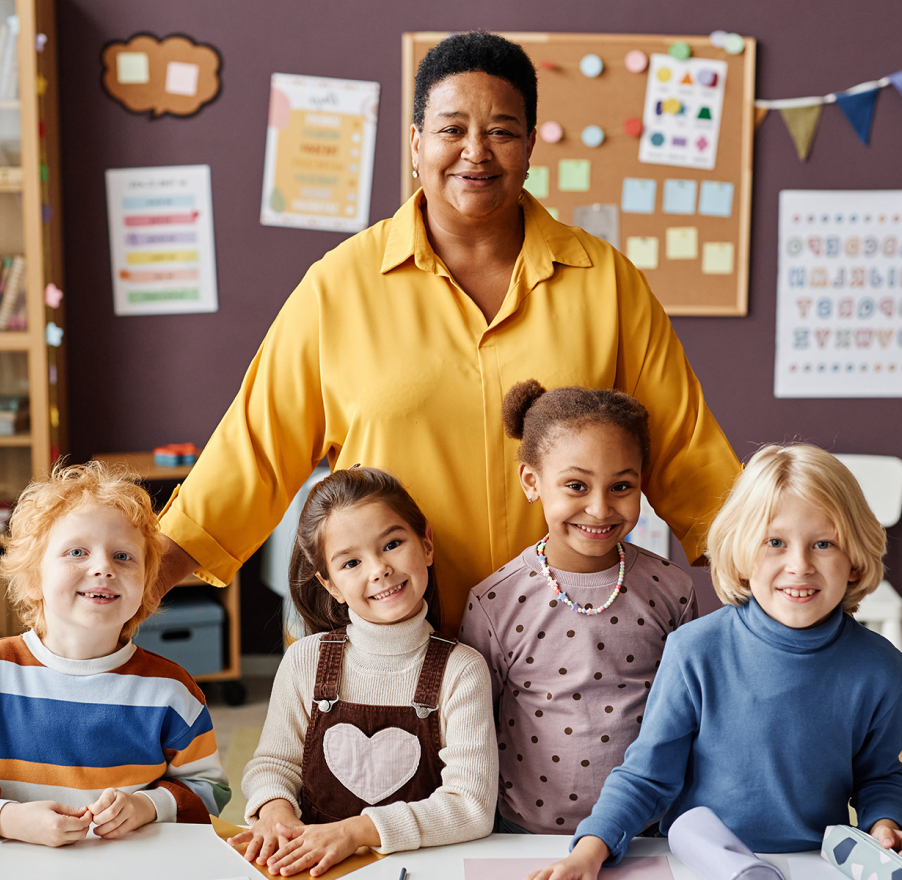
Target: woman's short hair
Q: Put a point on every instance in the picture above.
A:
(820, 479)
(343, 490)
(69, 489)
(537, 417)
(476, 52)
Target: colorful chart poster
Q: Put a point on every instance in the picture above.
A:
(161, 240)
(683, 109)
(320, 144)
(839, 294)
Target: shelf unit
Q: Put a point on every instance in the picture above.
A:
(31, 227)
(143, 464)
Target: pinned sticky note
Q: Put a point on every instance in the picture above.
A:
(537, 182)
(642, 252)
(682, 243)
(554, 213)
(716, 199)
(602, 221)
(573, 175)
(679, 196)
(181, 78)
(132, 67)
(638, 196)
(717, 258)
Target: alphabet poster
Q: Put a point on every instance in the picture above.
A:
(320, 144)
(839, 294)
(161, 240)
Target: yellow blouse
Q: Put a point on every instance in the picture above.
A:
(379, 357)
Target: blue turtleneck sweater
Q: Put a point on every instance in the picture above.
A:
(775, 729)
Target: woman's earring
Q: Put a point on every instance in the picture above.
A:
(527, 175)
(530, 499)
(415, 173)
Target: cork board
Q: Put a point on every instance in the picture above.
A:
(704, 272)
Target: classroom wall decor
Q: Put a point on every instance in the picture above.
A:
(645, 141)
(175, 75)
(839, 294)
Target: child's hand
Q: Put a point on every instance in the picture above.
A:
(888, 834)
(117, 812)
(262, 839)
(44, 822)
(316, 848)
(583, 863)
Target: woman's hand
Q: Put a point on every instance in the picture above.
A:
(887, 833)
(44, 822)
(116, 813)
(583, 863)
(316, 848)
(263, 839)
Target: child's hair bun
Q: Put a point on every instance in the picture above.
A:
(516, 404)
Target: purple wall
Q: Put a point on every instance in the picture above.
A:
(139, 382)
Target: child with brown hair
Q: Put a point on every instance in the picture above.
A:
(779, 710)
(573, 628)
(379, 732)
(93, 728)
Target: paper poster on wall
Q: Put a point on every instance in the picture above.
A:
(683, 109)
(320, 144)
(161, 240)
(839, 294)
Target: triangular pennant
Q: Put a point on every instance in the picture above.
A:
(801, 123)
(896, 80)
(760, 113)
(859, 110)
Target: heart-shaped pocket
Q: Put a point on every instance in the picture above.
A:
(371, 767)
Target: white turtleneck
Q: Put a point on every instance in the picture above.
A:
(381, 665)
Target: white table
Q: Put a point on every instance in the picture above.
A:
(447, 862)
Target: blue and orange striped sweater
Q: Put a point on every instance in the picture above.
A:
(132, 720)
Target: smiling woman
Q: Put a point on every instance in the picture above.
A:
(396, 348)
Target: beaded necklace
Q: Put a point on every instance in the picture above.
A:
(575, 606)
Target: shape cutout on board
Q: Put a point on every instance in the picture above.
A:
(681, 243)
(181, 78)
(642, 251)
(573, 175)
(715, 199)
(638, 195)
(132, 68)
(679, 196)
(717, 258)
(537, 182)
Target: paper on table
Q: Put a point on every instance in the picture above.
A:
(151, 852)
(650, 868)
(642, 252)
(803, 868)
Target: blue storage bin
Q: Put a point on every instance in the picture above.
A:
(189, 632)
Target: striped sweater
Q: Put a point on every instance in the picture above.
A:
(132, 720)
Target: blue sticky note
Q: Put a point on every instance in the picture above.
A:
(716, 199)
(679, 196)
(638, 196)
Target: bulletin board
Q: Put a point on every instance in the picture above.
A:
(686, 227)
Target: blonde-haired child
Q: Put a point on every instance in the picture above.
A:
(780, 709)
(93, 728)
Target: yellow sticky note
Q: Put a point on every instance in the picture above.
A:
(537, 182)
(682, 243)
(554, 213)
(642, 252)
(573, 175)
(717, 258)
(132, 67)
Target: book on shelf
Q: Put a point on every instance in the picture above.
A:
(13, 315)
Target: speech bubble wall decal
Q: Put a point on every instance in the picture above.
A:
(175, 75)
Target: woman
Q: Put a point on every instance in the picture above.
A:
(396, 349)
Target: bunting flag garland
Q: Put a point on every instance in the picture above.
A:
(801, 123)
(801, 115)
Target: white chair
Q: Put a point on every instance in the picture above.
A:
(880, 478)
